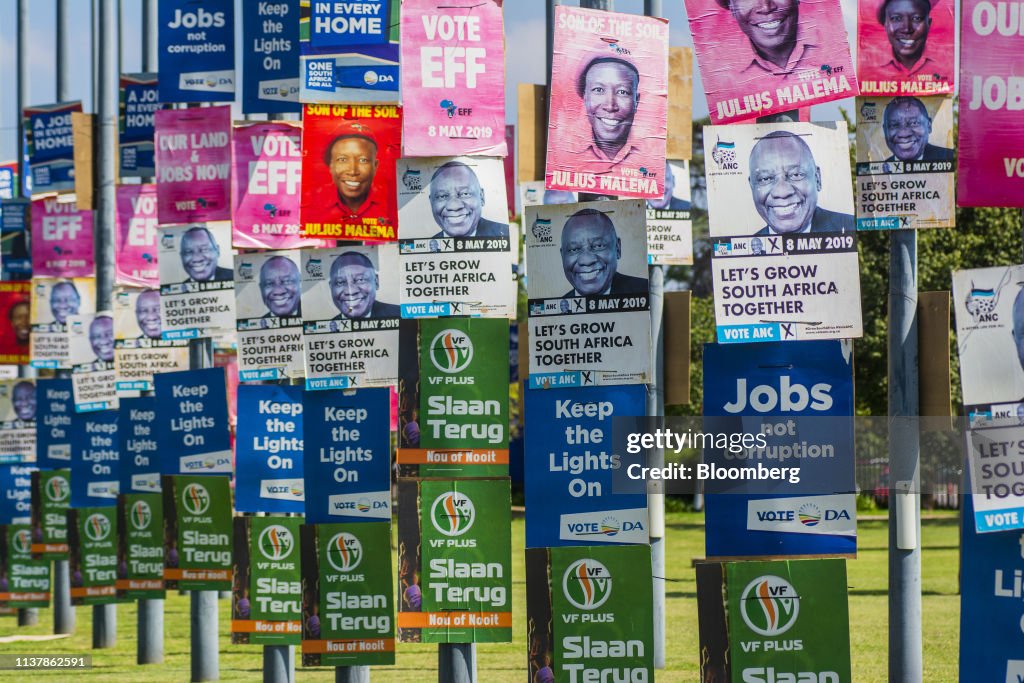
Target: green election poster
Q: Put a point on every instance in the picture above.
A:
(92, 542)
(197, 532)
(348, 596)
(455, 561)
(51, 495)
(24, 581)
(266, 597)
(140, 546)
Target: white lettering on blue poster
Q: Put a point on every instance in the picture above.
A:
(192, 422)
(197, 50)
(16, 494)
(7, 180)
(140, 463)
(348, 455)
(55, 406)
(270, 58)
(139, 102)
(95, 458)
(785, 410)
(269, 450)
(14, 229)
(350, 52)
(571, 464)
(51, 147)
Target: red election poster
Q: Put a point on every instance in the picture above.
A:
(991, 144)
(15, 322)
(609, 101)
(61, 239)
(757, 59)
(349, 156)
(135, 259)
(905, 47)
(453, 77)
(193, 164)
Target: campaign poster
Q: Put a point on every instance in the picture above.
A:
(18, 420)
(348, 604)
(576, 597)
(15, 322)
(24, 580)
(800, 499)
(905, 162)
(533, 193)
(135, 258)
(53, 300)
(51, 498)
(572, 494)
(669, 226)
(773, 621)
(995, 457)
(588, 295)
(137, 440)
(350, 316)
(140, 546)
(453, 399)
(192, 422)
(196, 40)
(197, 296)
(140, 351)
(266, 592)
(15, 229)
(454, 561)
(349, 154)
(193, 164)
(753, 67)
(990, 148)
(268, 293)
(8, 179)
(605, 137)
(62, 239)
(267, 158)
(139, 103)
(50, 146)
(92, 542)
(270, 58)
(54, 408)
(454, 243)
(453, 78)
(347, 440)
(16, 496)
(269, 450)
(905, 47)
(349, 51)
(95, 458)
(197, 532)
(91, 352)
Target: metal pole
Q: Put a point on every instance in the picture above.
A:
(278, 664)
(204, 618)
(63, 612)
(905, 655)
(63, 53)
(352, 674)
(656, 497)
(456, 663)
(22, 94)
(606, 5)
(149, 44)
(652, 8)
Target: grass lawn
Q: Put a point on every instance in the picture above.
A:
(500, 663)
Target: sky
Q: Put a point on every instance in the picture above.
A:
(524, 32)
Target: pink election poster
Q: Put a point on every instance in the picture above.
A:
(453, 78)
(991, 143)
(267, 158)
(61, 239)
(135, 259)
(609, 102)
(905, 47)
(193, 164)
(758, 58)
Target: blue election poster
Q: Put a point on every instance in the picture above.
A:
(570, 466)
(269, 449)
(347, 434)
(16, 494)
(139, 102)
(54, 408)
(140, 465)
(197, 50)
(192, 422)
(270, 57)
(798, 498)
(51, 147)
(95, 459)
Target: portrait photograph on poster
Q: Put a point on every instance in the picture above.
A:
(140, 351)
(669, 227)
(268, 305)
(905, 47)
(91, 354)
(54, 300)
(196, 280)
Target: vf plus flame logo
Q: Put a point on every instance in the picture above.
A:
(769, 605)
(195, 498)
(451, 351)
(97, 527)
(276, 542)
(21, 542)
(141, 515)
(57, 489)
(452, 513)
(587, 584)
(344, 552)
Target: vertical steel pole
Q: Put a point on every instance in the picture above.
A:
(456, 663)
(149, 29)
(905, 651)
(204, 618)
(63, 53)
(353, 674)
(22, 91)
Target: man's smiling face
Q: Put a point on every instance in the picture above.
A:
(590, 253)
(769, 24)
(610, 97)
(353, 286)
(785, 183)
(907, 128)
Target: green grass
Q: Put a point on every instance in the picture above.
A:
(500, 663)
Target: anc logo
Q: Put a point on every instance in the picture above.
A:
(451, 351)
(21, 541)
(344, 552)
(769, 605)
(141, 515)
(587, 583)
(276, 542)
(57, 489)
(809, 514)
(452, 513)
(97, 527)
(196, 498)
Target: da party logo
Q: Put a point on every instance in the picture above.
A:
(21, 542)
(587, 584)
(57, 489)
(451, 351)
(452, 513)
(769, 605)
(97, 527)
(344, 552)
(195, 498)
(276, 542)
(141, 515)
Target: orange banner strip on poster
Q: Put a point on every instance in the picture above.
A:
(455, 456)
(455, 620)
